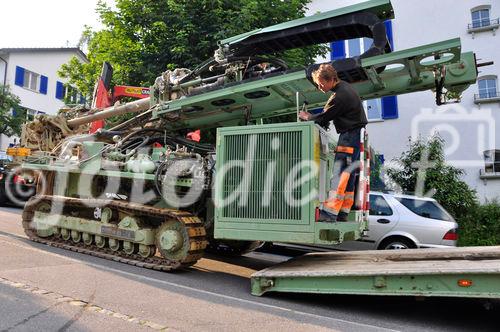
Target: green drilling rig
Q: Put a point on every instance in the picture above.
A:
(143, 194)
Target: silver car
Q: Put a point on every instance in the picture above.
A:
(403, 221)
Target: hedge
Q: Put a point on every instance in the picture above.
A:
(480, 226)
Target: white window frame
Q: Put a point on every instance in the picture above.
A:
(71, 94)
(30, 113)
(489, 91)
(491, 96)
(491, 160)
(483, 23)
(366, 105)
(31, 80)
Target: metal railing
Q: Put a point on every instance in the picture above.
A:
(483, 23)
(486, 95)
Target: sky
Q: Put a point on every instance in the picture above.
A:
(45, 23)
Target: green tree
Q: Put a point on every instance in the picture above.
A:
(141, 39)
(12, 116)
(423, 170)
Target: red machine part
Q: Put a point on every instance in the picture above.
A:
(194, 135)
(104, 99)
(121, 91)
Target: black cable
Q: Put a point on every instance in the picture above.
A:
(439, 86)
(157, 181)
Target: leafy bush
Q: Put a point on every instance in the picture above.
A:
(423, 170)
(480, 226)
(12, 115)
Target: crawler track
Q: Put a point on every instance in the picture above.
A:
(195, 229)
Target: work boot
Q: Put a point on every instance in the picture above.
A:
(326, 216)
(343, 217)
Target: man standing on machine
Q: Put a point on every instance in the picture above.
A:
(345, 109)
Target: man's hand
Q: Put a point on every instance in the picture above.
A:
(305, 116)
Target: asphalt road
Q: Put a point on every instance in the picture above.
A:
(50, 289)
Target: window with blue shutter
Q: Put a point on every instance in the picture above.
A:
(30, 80)
(59, 90)
(19, 80)
(43, 84)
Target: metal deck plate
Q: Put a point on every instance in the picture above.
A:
(422, 272)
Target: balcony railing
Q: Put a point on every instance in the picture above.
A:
(483, 25)
(490, 96)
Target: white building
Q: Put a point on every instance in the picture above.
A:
(31, 74)
(470, 127)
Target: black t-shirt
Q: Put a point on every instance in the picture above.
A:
(344, 108)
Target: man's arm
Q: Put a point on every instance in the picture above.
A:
(331, 110)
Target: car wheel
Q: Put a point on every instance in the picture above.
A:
(396, 243)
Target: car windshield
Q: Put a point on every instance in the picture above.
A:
(426, 209)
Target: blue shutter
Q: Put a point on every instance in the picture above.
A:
(82, 100)
(389, 104)
(389, 107)
(19, 76)
(43, 84)
(59, 90)
(338, 50)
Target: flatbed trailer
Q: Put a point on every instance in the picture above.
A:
(472, 272)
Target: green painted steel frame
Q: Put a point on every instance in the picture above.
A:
(69, 178)
(46, 221)
(484, 285)
(413, 75)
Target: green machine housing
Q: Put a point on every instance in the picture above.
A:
(270, 180)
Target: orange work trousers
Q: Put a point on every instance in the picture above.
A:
(345, 171)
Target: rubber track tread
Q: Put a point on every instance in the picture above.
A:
(194, 226)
